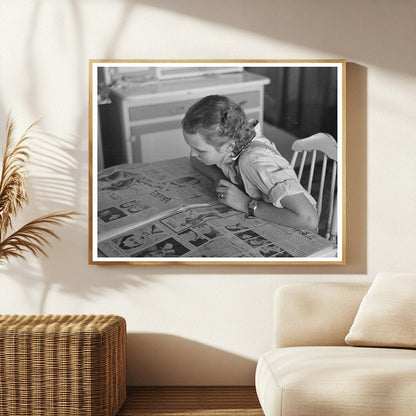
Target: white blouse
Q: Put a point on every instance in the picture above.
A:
(264, 172)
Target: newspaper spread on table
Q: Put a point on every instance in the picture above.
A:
(167, 209)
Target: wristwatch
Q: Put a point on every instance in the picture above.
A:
(252, 206)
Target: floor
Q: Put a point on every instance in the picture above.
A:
(191, 401)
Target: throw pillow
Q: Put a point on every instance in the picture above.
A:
(386, 316)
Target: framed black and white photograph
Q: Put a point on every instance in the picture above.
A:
(217, 162)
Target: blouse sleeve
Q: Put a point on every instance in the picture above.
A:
(272, 176)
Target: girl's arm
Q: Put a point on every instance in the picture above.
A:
(297, 211)
(211, 172)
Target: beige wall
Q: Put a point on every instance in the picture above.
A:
(204, 325)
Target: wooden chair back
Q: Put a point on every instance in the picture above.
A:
(320, 147)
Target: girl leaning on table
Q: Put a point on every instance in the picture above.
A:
(249, 173)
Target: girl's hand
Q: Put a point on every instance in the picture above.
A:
(229, 194)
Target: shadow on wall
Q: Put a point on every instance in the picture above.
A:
(356, 168)
(58, 180)
(54, 182)
(161, 359)
(333, 27)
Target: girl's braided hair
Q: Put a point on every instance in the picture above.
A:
(220, 120)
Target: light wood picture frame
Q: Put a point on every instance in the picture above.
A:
(148, 204)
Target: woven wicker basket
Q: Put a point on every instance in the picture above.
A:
(71, 365)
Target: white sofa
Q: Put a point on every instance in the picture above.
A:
(311, 370)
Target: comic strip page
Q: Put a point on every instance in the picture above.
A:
(166, 209)
(129, 196)
(215, 231)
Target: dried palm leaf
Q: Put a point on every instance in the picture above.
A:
(12, 183)
(33, 237)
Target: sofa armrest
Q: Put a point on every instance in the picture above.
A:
(308, 314)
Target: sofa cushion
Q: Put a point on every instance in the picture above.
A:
(387, 314)
(318, 313)
(304, 381)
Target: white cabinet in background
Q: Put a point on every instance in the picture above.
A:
(149, 114)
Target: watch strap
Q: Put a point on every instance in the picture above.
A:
(252, 206)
